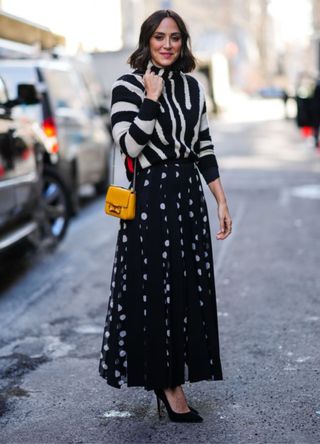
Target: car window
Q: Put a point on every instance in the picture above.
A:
(3, 92)
(13, 75)
(67, 92)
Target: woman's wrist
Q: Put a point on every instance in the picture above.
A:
(152, 97)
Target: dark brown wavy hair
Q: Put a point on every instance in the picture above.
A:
(139, 59)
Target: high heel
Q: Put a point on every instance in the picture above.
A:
(191, 416)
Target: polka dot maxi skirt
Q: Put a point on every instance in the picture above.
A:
(161, 326)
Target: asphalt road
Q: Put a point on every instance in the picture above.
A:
(52, 310)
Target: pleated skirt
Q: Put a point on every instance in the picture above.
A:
(161, 326)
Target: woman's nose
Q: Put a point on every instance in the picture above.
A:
(167, 43)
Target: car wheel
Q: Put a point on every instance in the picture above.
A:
(56, 205)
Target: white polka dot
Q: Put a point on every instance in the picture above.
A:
(205, 218)
(122, 317)
(180, 217)
(144, 216)
(124, 276)
(168, 300)
(179, 195)
(123, 333)
(164, 255)
(199, 288)
(117, 373)
(144, 298)
(167, 242)
(177, 174)
(121, 342)
(113, 284)
(190, 201)
(106, 347)
(124, 287)
(119, 307)
(168, 332)
(201, 303)
(165, 218)
(104, 365)
(145, 276)
(197, 258)
(199, 271)
(182, 253)
(162, 206)
(125, 364)
(145, 260)
(191, 214)
(193, 245)
(146, 182)
(122, 353)
(207, 265)
(124, 238)
(178, 205)
(163, 175)
(107, 334)
(168, 287)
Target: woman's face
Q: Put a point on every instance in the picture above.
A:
(165, 43)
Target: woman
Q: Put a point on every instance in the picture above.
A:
(161, 326)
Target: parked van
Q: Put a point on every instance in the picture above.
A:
(79, 149)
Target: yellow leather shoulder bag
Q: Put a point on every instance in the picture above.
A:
(120, 201)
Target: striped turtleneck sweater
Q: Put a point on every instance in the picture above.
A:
(176, 126)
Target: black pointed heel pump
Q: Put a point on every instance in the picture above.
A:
(191, 416)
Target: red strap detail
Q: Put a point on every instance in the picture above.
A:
(130, 164)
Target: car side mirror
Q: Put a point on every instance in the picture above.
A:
(27, 94)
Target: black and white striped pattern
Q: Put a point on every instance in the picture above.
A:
(176, 126)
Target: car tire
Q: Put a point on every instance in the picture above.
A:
(56, 206)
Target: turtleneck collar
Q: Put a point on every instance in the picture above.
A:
(165, 73)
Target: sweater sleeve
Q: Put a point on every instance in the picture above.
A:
(207, 162)
(133, 116)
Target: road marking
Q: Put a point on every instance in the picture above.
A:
(116, 414)
(310, 191)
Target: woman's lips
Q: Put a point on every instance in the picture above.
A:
(166, 54)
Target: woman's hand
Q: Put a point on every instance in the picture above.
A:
(225, 221)
(153, 85)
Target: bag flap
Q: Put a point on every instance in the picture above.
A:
(118, 196)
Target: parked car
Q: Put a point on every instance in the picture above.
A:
(22, 208)
(79, 149)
